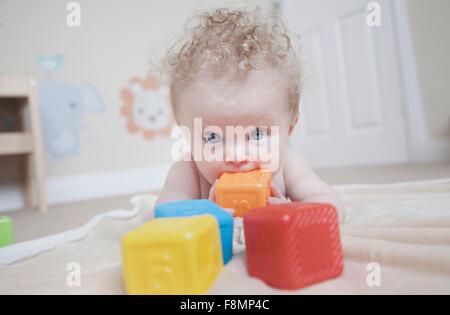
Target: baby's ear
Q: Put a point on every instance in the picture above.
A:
(293, 123)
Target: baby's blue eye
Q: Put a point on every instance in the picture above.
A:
(212, 137)
(257, 134)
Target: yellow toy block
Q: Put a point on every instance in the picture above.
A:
(179, 255)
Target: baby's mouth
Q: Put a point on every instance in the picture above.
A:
(240, 167)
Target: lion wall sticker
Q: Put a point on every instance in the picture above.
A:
(146, 107)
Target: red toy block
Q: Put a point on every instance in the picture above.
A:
(292, 245)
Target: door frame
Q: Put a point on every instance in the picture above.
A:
(422, 147)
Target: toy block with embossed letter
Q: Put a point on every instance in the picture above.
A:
(243, 191)
(172, 256)
(293, 245)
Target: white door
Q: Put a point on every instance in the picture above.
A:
(351, 108)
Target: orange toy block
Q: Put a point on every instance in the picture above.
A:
(243, 191)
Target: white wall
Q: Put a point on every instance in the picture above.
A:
(430, 29)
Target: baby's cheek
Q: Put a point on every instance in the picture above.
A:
(266, 152)
(211, 170)
(212, 152)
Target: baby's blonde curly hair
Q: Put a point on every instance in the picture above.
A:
(245, 40)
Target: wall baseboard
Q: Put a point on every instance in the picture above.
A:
(431, 150)
(90, 186)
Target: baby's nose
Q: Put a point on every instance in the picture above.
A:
(236, 154)
(235, 163)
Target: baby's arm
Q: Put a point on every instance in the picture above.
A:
(181, 183)
(302, 184)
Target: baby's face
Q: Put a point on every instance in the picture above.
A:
(257, 105)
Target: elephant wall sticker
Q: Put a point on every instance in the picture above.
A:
(63, 106)
(146, 107)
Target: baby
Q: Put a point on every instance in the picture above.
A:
(238, 69)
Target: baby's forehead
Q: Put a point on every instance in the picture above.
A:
(256, 119)
(236, 111)
(258, 92)
(230, 77)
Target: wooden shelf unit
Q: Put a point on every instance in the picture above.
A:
(27, 142)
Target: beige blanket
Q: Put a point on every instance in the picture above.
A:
(396, 239)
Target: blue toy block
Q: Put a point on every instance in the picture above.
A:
(198, 207)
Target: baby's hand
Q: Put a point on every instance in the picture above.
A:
(212, 197)
(277, 197)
